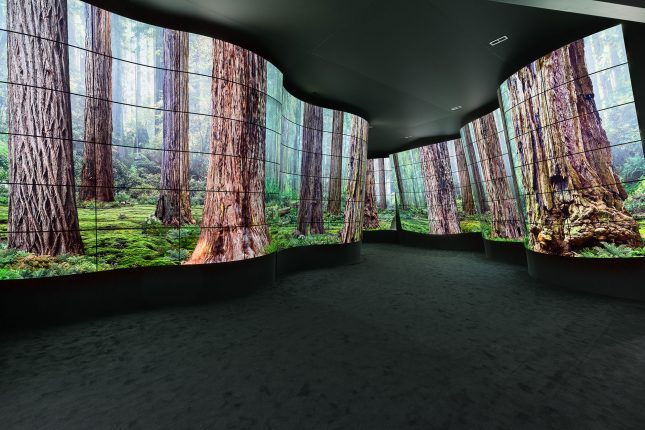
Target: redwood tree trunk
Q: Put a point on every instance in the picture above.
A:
(353, 226)
(336, 163)
(381, 184)
(97, 176)
(439, 189)
(574, 199)
(476, 179)
(310, 212)
(399, 182)
(42, 218)
(467, 201)
(173, 206)
(370, 216)
(160, 72)
(506, 222)
(233, 224)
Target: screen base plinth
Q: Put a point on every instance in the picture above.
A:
(506, 252)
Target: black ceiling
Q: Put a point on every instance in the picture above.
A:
(400, 64)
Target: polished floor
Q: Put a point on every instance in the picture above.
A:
(409, 338)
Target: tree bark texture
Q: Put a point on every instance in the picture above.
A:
(506, 221)
(97, 175)
(399, 182)
(439, 189)
(173, 206)
(370, 216)
(310, 208)
(467, 201)
(353, 227)
(335, 164)
(574, 198)
(233, 223)
(382, 203)
(42, 216)
(476, 179)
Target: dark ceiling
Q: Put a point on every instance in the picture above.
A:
(401, 64)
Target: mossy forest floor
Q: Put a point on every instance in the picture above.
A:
(416, 221)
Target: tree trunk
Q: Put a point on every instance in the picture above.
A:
(477, 180)
(381, 184)
(336, 163)
(439, 189)
(42, 219)
(160, 73)
(233, 223)
(310, 212)
(173, 206)
(467, 201)
(506, 222)
(573, 196)
(117, 90)
(370, 216)
(97, 175)
(399, 182)
(353, 226)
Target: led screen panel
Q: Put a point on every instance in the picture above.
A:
(576, 150)
(379, 196)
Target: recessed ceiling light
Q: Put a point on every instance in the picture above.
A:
(498, 40)
(455, 107)
(407, 137)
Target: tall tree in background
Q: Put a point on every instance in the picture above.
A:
(370, 214)
(233, 223)
(160, 73)
(439, 189)
(574, 198)
(173, 206)
(467, 201)
(353, 226)
(381, 184)
(399, 182)
(310, 207)
(477, 179)
(506, 221)
(42, 218)
(336, 163)
(117, 87)
(97, 175)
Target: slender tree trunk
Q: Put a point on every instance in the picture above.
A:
(479, 192)
(353, 227)
(173, 206)
(160, 58)
(399, 182)
(574, 198)
(117, 90)
(506, 222)
(381, 184)
(233, 223)
(295, 147)
(310, 213)
(439, 189)
(336, 163)
(42, 215)
(467, 201)
(97, 176)
(370, 216)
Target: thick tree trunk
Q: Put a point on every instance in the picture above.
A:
(476, 179)
(97, 176)
(370, 216)
(399, 182)
(310, 208)
(573, 196)
(506, 222)
(42, 218)
(173, 206)
(439, 189)
(353, 227)
(467, 201)
(336, 163)
(382, 204)
(233, 223)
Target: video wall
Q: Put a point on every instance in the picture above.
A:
(492, 193)
(380, 210)
(433, 189)
(576, 150)
(125, 145)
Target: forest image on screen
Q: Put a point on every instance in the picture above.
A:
(576, 150)
(126, 145)
(379, 196)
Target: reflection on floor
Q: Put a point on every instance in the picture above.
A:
(409, 338)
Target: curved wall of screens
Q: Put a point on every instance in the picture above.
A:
(126, 145)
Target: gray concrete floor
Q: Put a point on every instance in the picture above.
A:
(409, 338)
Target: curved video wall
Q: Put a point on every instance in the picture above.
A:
(126, 145)
(576, 150)
(379, 196)
(490, 190)
(433, 189)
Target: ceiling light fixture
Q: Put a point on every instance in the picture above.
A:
(455, 107)
(498, 40)
(407, 137)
